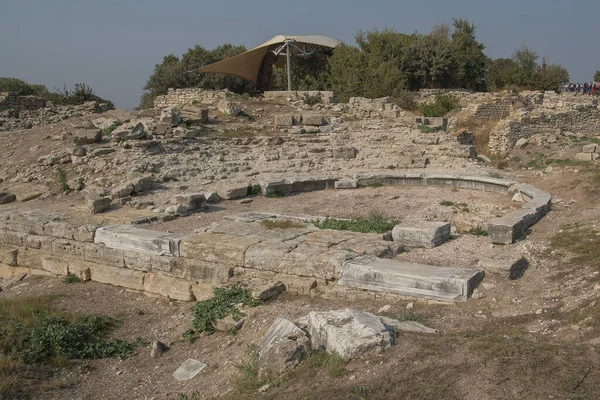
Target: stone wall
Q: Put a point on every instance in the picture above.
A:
(492, 111)
(12, 101)
(327, 97)
(176, 97)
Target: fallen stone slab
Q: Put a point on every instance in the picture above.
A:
(426, 234)
(282, 347)
(510, 227)
(409, 279)
(268, 291)
(505, 262)
(228, 324)
(127, 237)
(193, 201)
(347, 333)
(87, 136)
(346, 184)
(99, 205)
(189, 370)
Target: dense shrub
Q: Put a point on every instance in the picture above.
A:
(443, 104)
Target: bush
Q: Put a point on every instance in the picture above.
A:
(406, 101)
(311, 100)
(443, 104)
(223, 303)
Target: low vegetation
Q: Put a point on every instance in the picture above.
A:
(477, 231)
(71, 278)
(581, 242)
(275, 194)
(36, 338)
(442, 105)
(372, 224)
(107, 132)
(65, 96)
(224, 303)
(62, 181)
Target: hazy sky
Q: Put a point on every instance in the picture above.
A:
(113, 45)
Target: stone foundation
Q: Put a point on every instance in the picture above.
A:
(12, 101)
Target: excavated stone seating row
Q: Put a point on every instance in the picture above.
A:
(503, 230)
(185, 267)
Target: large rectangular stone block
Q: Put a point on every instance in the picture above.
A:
(219, 248)
(123, 277)
(194, 201)
(129, 238)
(173, 288)
(11, 238)
(426, 234)
(60, 229)
(312, 120)
(8, 256)
(41, 243)
(100, 254)
(508, 228)
(67, 248)
(55, 265)
(30, 258)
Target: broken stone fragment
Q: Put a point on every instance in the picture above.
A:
(98, 205)
(406, 326)
(281, 348)
(158, 348)
(189, 370)
(228, 324)
(6, 198)
(87, 136)
(269, 291)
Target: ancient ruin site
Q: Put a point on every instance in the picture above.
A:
(305, 219)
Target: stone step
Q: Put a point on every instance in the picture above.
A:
(127, 237)
(418, 280)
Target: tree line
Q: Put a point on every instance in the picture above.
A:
(381, 63)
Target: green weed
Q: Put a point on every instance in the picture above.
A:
(375, 223)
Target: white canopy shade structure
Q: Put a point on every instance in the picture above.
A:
(256, 65)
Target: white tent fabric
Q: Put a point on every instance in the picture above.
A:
(249, 65)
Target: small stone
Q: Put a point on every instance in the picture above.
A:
(99, 205)
(212, 197)
(539, 311)
(177, 210)
(518, 197)
(410, 306)
(244, 201)
(384, 309)
(269, 291)
(228, 324)
(158, 348)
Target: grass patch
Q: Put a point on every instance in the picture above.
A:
(275, 194)
(495, 175)
(223, 303)
(447, 203)
(426, 129)
(36, 339)
(461, 207)
(107, 132)
(62, 181)
(409, 315)
(248, 371)
(71, 278)
(583, 243)
(281, 224)
(333, 364)
(372, 224)
(477, 231)
(253, 190)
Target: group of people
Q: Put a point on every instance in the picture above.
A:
(586, 87)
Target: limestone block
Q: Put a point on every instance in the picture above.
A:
(226, 249)
(117, 276)
(202, 291)
(137, 261)
(129, 238)
(6, 198)
(268, 291)
(60, 229)
(87, 136)
(312, 120)
(8, 256)
(275, 185)
(41, 243)
(508, 228)
(85, 233)
(30, 258)
(426, 234)
(31, 223)
(586, 156)
(348, 333)
(67, 248)
(80, 268)
(100, 254)
(284, 120)
(172, 288)
(233, 192)
(99, 205)
(590, 148)
(344, 152)
(55, 265)
(193, 202)
(345, 184)
(505, 262)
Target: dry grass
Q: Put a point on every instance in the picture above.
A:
(481, 130)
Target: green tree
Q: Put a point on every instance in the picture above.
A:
(550, 76)
(469, 58)
(597, 76)
(500, 73)
(526, 67)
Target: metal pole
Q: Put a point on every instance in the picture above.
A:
(289, 71)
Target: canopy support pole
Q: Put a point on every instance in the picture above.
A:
(289, 67)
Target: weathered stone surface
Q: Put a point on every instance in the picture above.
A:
(590, 148)
(172, 288)
(128, 132)
(345, 152)
(228, 108)
(312, 120)
(510, 227)
(8, 256)
(347, 333)
(417, 280)
(170, 116)
(6, 198)
(426, 234)
(268, 291)
(586, 156)
(100, 205)
(100, 254)
(68, 248)
(60, 229)
(158, 349)
(193, 202)
(226, 249)
(87, 136)
(117, 276)
(189, 370)
(126, 237)
(194, 114)
(30, 258)
(177, 210)
(232, 192)
(55, 265)
(407, 326)
(281, 348)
